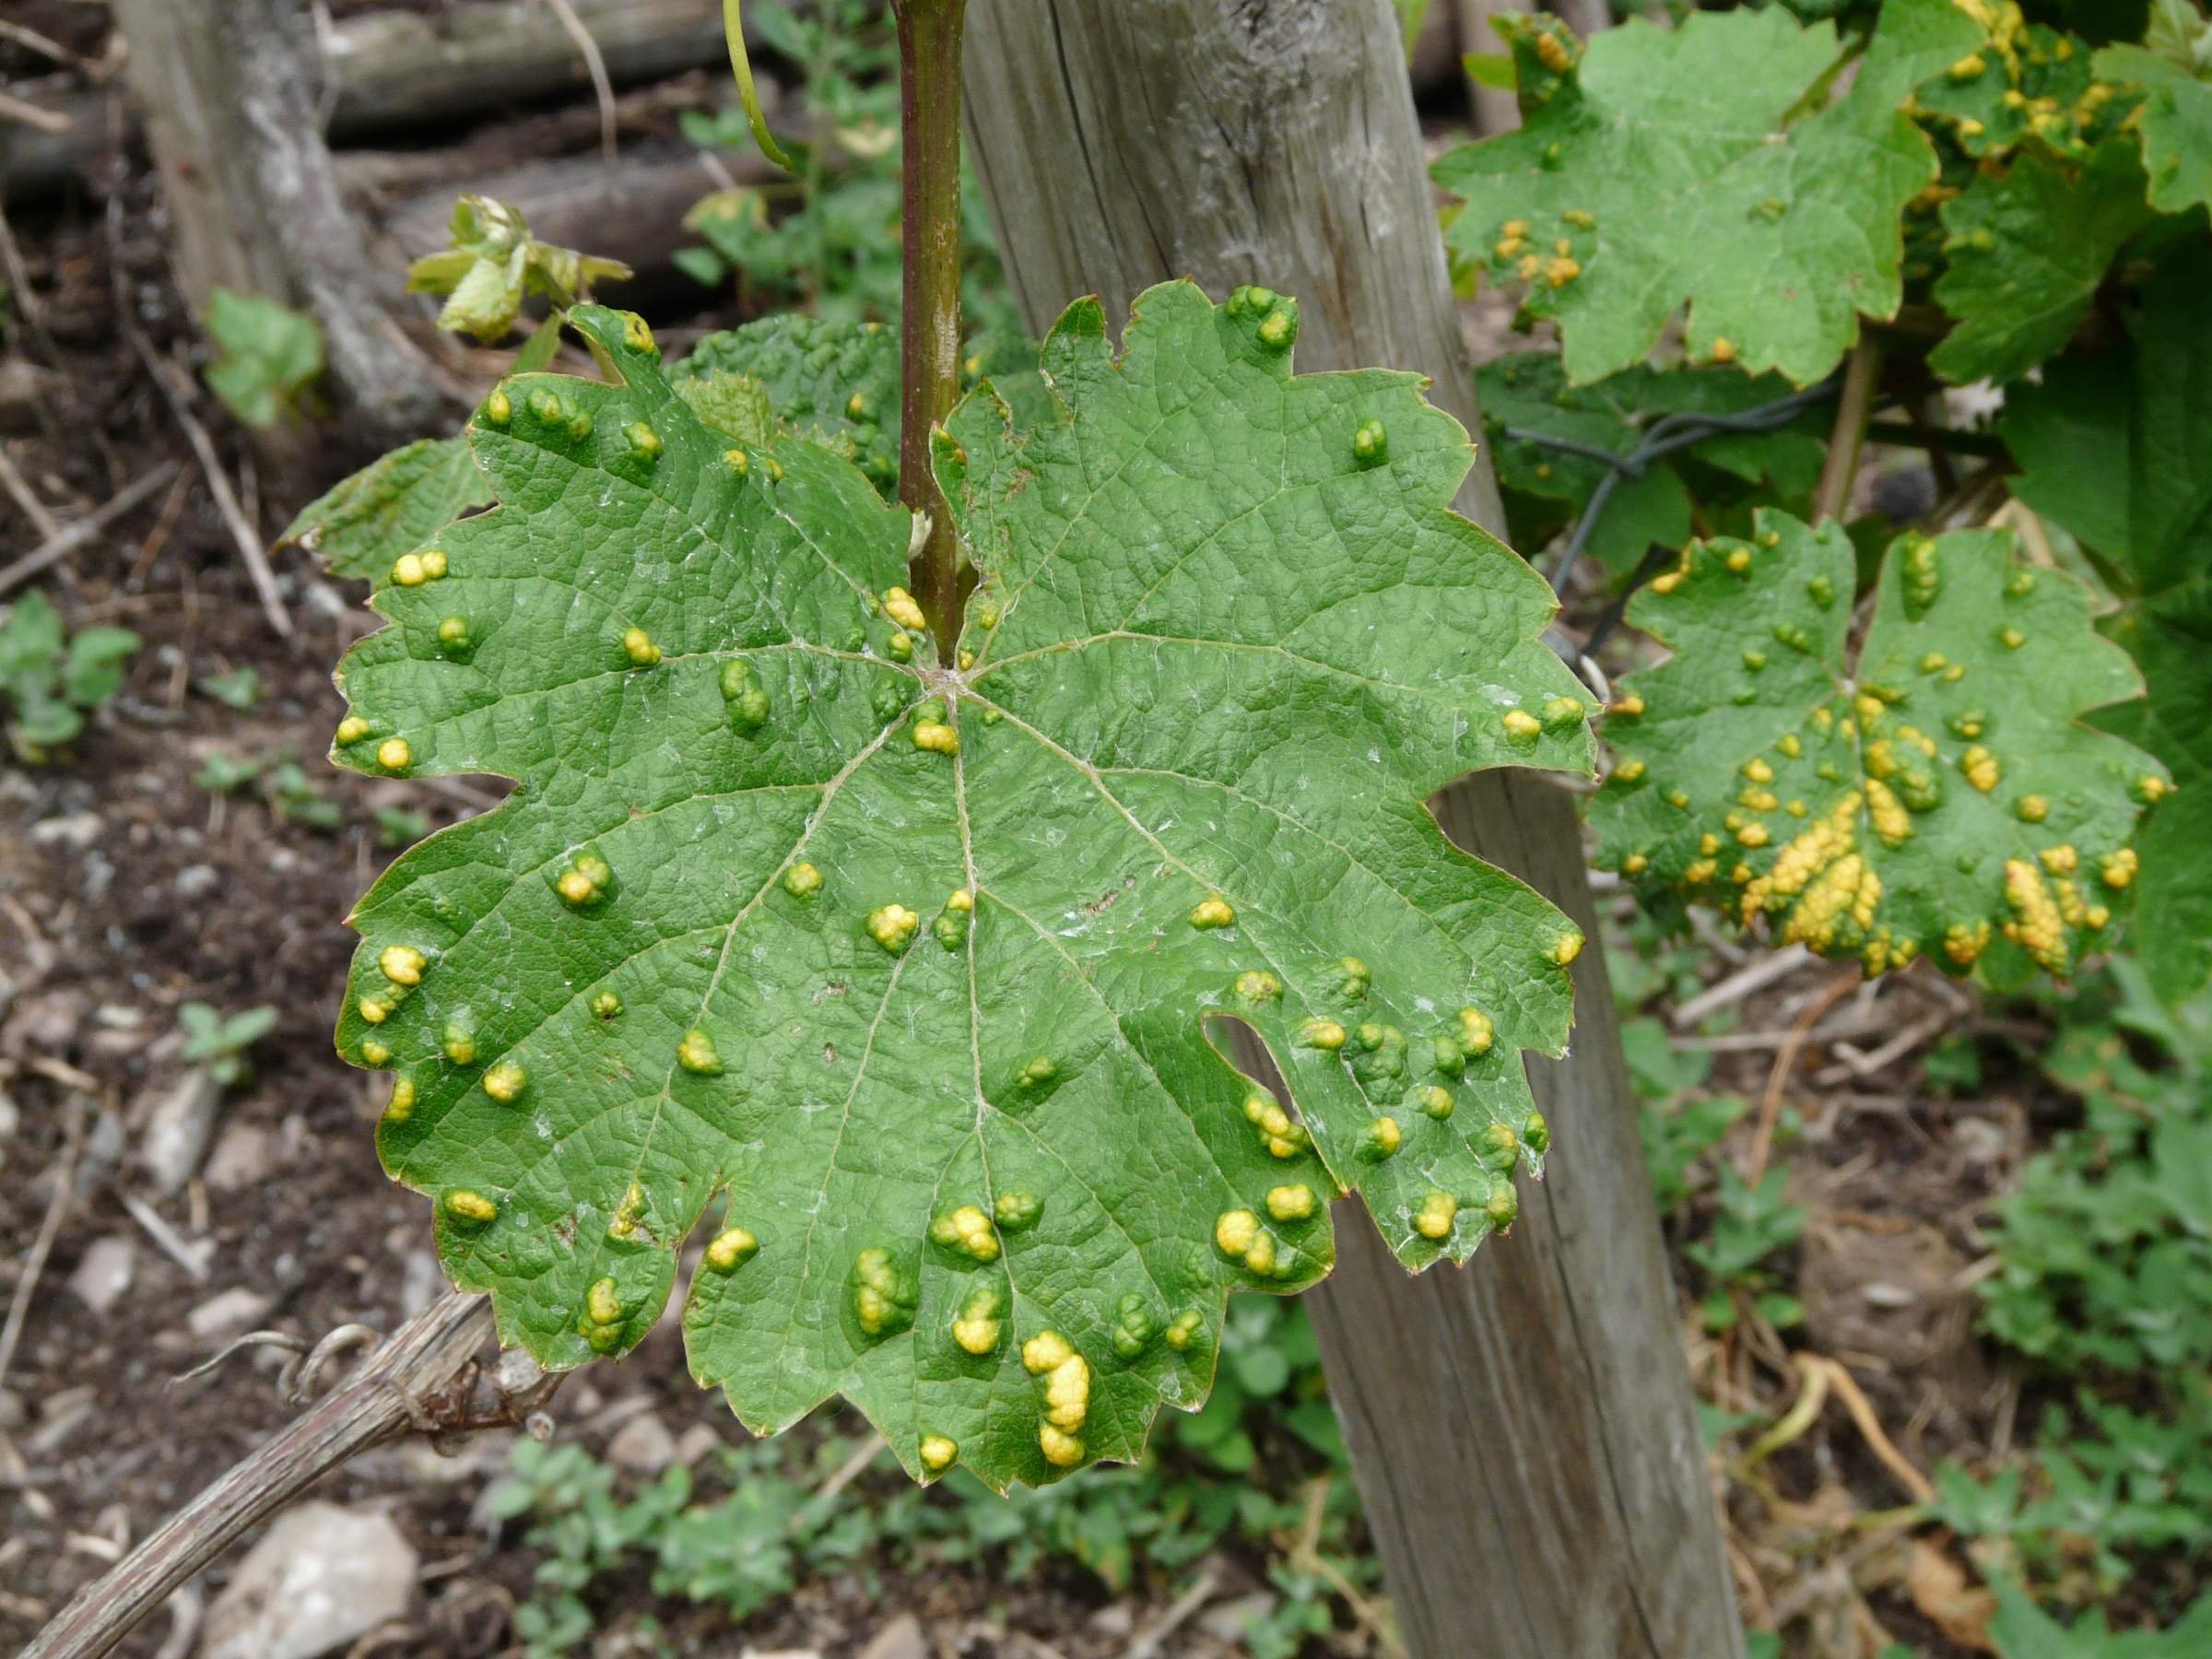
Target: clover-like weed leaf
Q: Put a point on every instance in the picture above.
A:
(916, 968)
(1937, 793)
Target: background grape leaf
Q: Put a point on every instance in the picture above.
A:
(1628, 191)
(396, 503)
(2174, 125)
(2118, 449)
(1936, 794)
(917, 963)
(2027, 245)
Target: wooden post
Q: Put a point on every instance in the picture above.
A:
(228, 89)
(1521, 1429)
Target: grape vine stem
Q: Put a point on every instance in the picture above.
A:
(929, 125)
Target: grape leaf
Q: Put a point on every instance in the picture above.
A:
(836, 384)
(915, 963)
(2028, 246)
(396, 503)
(2023, 85)
(1936, 793)
(2118, 449)
(2174, 125)
(1628, 191)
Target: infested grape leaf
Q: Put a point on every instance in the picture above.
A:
(836, 384)
(915, 963)
(2118, 449)
(1937, 793)
(2174, 125)
(2027, 244)
(1629, 191)
(396, 502)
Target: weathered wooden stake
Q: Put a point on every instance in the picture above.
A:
(1522, 1430)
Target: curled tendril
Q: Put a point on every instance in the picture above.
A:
(732, 25)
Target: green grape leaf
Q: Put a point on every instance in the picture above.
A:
(392, 506)
(2118, 449)
(1526, 394)
(2023, 85)
(1937, 793)
(1628, 192)
(915, 964)
(835, 384)
(2027, 247)
(2174, 125)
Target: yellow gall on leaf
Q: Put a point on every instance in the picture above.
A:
(2118, 869)
(937, 736)
(1063, 1451)
(1213, 912)
(1562, 270)
(1628, 707)
(375, 1053)
(1234, 1232)
(1257, 985)
(730, 1249)
(1739, 560)
(1521, 726)
(1565, 948)
(2012, 639)
(801, 880)
(1293, 1203)
(1754, 834)
(1724, 349)
(899, 606)
(1758, 771)
(893, 927)
(2150, 789)
(400, 1107)
(394, 755)
(472, 1210)
(2031, 808)
(638, 646)
(1980, 768)
(978, 1330)
(407, 571)
(352, 729)
(2036, 927)
(374, 1011)
(938, 1452)
(695, 1054)
(1628, 772)
(402, 964)
(1635, 863)
(505, 1082)
(1434, 1220)
(966, 1230)
(1321, 1034)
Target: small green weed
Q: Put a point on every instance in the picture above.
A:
(50, 679)
(1263, 1465)
(297, 799)
(218, 1043)
(223, 773)
(270, 356)
(1752, 1224)
(238, 688)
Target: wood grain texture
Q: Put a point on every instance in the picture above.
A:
(227, 89)
(1521, 1429)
